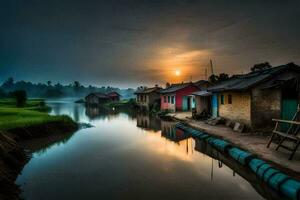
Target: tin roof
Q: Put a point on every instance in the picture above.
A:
(247, 81)
(175, 87)
(99, 95)
(202, 93)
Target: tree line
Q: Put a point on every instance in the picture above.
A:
(57, 90)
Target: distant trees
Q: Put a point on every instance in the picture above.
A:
(216, 79)
(53, 93)
(20, 96)
(49, 83)
(261, 66)
(76, 86)
(49, 89)
(8, 84)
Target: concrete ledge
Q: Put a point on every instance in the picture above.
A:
(252, 143)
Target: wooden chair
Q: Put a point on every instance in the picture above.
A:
(292, 133)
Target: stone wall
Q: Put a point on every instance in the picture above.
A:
(240, 108)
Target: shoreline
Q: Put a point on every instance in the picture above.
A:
(253, 143)
(13, 156)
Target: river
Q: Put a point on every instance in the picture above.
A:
(126, 155)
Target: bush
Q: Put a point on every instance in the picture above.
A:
(20, 96)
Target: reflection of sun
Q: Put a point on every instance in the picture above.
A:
(177, 72)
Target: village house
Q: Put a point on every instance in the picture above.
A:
(146, 97)
(254, 98)
(114, 96)
(97, 98)
(178, 97)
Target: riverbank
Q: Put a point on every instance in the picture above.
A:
(254, 143)
(18, 125)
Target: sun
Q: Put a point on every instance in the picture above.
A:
(177, 72)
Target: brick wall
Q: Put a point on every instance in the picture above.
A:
(240, 108)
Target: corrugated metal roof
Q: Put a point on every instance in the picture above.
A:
(175, 87)
(99, 95)
(247, 81)
(203, 93)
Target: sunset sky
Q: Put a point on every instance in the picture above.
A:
(137, 42)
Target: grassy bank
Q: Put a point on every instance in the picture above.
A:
(19, 124)
(33, 113)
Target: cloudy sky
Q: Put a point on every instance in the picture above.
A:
(136, 42)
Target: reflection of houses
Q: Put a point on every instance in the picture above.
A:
(178, 97)
(98, 111)
(148, 122)
(95, 111)
(100, 98)
(169, 131)
(257, 97)
(224, 160)
(146, 97)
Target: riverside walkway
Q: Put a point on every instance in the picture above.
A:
(255, 143)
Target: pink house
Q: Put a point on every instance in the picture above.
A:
(178, 97)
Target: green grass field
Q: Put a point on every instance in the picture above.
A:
(31, 114)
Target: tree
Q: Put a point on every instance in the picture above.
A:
(76, 86)
(168, 84)
(261, 66)
(213, 79)
(216, 79)
(20, 96)
(223, 77)
(8, 84)
(49, 83)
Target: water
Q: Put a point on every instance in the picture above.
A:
(129, 156)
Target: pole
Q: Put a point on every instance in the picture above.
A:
(211, 66)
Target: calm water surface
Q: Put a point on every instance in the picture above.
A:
(127, 156)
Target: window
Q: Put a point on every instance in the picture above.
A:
(172, 99)
(165, 99)
(222, 99)
(169, 99)
(229, 99)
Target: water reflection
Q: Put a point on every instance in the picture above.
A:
(128, 155)
(147, 121)
(82, 113)
(169, 131)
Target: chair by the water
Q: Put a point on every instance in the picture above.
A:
(292, 133)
